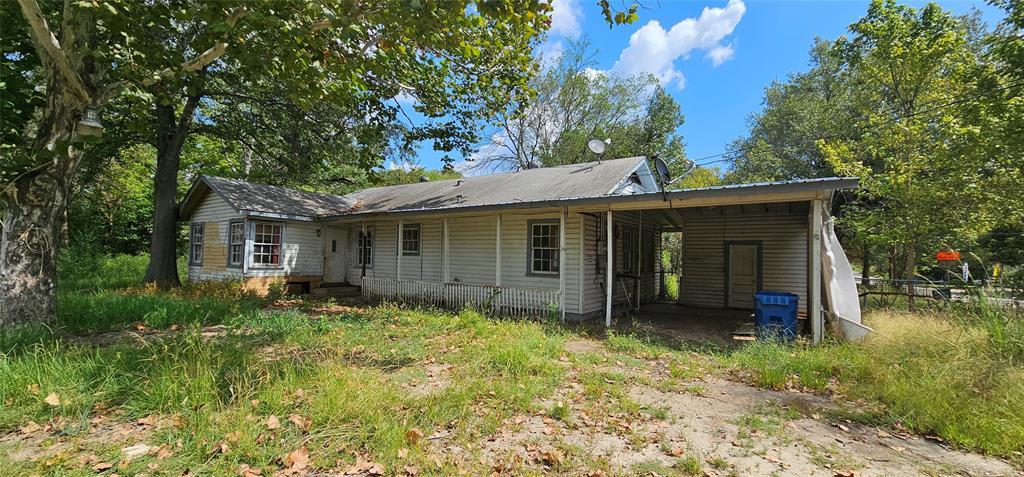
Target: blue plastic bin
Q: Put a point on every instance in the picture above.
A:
(775, 315)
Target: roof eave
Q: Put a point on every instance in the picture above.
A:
(806, 185)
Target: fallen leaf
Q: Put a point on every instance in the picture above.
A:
(273, 422)
(843, 428)
(53, 399)
(898, 448)
(102, 466)
(403, 453)
(149, 420)
(299, 393)
(676, 451)
(30, 428)
(246, 470)
(882, 434)
(164, 452)
(175, 327)
(845, 473)
(410, 470)
(301, 422)
(413, 435)
(297, 459)
(551, 456)
(136, 450)
(33, 389)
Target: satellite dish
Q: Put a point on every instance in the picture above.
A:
(662, 168)
(598, 146)
(533, 164)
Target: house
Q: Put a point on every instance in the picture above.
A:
(521, 242)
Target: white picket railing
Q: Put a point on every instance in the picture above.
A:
(505, 301)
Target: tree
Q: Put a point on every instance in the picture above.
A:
(923, 178)
(575, 103)
(783, 140)
(92, 52)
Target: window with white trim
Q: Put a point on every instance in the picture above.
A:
(543, 250)
(266, 244)
(236, 243)
(410, 239)
(365, 247)
(195, 254)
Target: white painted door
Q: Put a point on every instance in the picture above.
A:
(335, 254)
(742, 275)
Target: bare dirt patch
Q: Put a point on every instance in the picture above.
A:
(721, 427)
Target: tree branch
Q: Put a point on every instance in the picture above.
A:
(46, 41)
(200, 61)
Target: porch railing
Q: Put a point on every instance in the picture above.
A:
(505, 301)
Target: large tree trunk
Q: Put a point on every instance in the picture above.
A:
(34, 206)
(163, 255)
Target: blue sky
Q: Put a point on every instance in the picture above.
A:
(714, 57)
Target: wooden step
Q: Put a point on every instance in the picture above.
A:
(338, 290)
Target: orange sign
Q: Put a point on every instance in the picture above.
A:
(947, 256)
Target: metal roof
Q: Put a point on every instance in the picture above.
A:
(577, 184)
(591, 179)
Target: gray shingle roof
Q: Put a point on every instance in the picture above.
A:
(266, 199)
(592, 179)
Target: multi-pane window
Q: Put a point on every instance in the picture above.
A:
(411, 239)
(365, 246)
(236, 243)
(195, 255)
(544, 247)
(629, 252)
(266, 244)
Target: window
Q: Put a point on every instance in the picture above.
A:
(365, 246)
(236, 243)
(543, 250)
(266, 244)
(629, 243)
(411, 239)
(195, 256)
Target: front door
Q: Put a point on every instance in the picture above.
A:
(742, 275)
(335, 257)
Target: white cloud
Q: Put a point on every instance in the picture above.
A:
(720, 54)
(400, 165)
(654, 50)
(566, 16)
(550, 52)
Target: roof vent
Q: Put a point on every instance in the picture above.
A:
(424, 179)
(458, 182)
(533, 164)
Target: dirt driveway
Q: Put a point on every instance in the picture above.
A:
(634, 418)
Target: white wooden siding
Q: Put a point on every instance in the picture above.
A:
(783, 238)
(215, 214)
(302, 250)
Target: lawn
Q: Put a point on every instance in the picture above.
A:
(210, 380)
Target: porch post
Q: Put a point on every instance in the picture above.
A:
(497, 253)
(814, 290)
(398, 251)
(609, 265)
(444, 252)
(561, 260)
(639, 257)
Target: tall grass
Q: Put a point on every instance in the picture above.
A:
(958, 376)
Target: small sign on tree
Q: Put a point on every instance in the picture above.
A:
(947, 256)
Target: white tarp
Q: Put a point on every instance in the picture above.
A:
(840, 286)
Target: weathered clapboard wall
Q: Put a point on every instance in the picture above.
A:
(472, 253)
(780, 228)
(594, 271)
(215, 214)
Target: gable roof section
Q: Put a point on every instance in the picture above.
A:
(263, 200)
(591, 179)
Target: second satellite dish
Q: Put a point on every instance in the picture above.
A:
(598, 146)
(662, 168)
